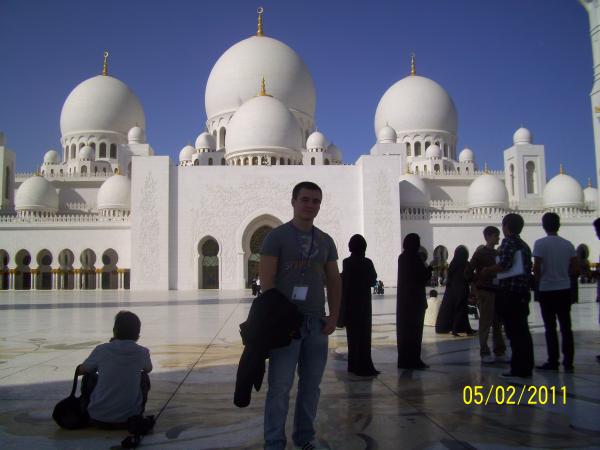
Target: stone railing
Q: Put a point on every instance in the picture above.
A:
(22, 176)
(63, 218)
(492, 214)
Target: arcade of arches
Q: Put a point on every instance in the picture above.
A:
(46, 273)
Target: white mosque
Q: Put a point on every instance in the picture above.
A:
(106, 212)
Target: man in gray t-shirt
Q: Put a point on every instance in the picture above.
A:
(555, 262)
(300, 260)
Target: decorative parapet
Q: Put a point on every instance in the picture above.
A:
(81, 206)
(493, 215)
(461, 174)
(20, 177)
(448, 204)
(64, 218)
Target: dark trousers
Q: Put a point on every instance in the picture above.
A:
(88, 384)
(513, 310)
(557, 304)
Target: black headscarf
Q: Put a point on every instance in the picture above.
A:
(412, 243)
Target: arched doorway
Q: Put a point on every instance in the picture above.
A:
(256, 240)
(44, 277)
(440, 265)
(110, 277)
(65, 260)
(585, 273)
(4, 277)
(208, 264)
(88, 270)
(23, 271)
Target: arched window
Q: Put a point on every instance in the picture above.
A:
(255, 161)
(73, 150)
(531, 185)
(273, 161)
(246, 161)
(210, 162)
(427, 144)
(222, 161)
(222, 133)
(102, 153)
(196, 162)
(95, 170)
(113, 151)
(512, 179)
(51, 171)
(408, 149)
(436, 168)
(312, 161)
(289, 162)
(83, 170)
(417, 149)
(282, 161)
(416, 170)
(61, 172)
(104, 170)
(446, 150)
(326, 162)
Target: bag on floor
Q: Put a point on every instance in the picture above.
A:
(71, 412)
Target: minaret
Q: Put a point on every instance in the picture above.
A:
(593, 9)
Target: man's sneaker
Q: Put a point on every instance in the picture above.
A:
(310, 445)
(510, 375)
(547, 367)
(487, 359)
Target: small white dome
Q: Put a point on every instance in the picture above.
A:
(36, 194)
(387, 135)
(206, 141)
(263, 122)
(466, 155)
(136, 135)
(487, 191)
(51, 157)
(416, 103)
(186, 153)
(101, 103)
(413, 192)
(563, 191)
(316, 140)
(335, 153)
(590, 196)
(87, 153)
(235, 77)
(115, 193)
(522, 136)
(433, 151)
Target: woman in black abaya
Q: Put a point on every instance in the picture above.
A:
(358, 277)
(411, 303)
(453, 314)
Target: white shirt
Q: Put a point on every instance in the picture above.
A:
(117, 396)
(555, 253)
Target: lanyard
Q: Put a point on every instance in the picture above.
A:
(312, 238)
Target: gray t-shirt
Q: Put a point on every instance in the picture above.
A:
(556, 254)
(117, 395)
(291, 246)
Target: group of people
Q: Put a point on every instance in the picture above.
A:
(300, 261)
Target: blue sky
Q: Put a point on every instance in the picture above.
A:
(505, 63)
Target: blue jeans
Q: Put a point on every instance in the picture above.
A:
(309, 353)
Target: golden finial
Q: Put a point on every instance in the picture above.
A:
(259, 31)
(105, 65)
(263, 88)
(589, 182)
(413, 69)
(485, 167)
(116, 171)
(561, 169)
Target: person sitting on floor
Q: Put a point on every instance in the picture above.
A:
(115, 375)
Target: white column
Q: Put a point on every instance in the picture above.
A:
(121, 276)
(77, 279)
(11, 279)
(98, 279)
(34, 276)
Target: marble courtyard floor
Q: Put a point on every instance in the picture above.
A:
(195, 346)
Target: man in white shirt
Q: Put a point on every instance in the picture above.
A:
(555, 262)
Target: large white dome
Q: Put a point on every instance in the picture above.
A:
(115, 193)
(413, 192)
(206, 141)
(51, 157)
(563, 191)
(101, 103)
(487, 191)
(36, 194)
(186, 153)
(466, 155)
(416, 103)
(263, 122)
(235, 78)
(316, 140)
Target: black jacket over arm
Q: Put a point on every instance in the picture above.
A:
(272, 323)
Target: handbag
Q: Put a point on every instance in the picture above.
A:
(71, 412)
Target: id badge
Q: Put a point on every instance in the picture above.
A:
(299, 293)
